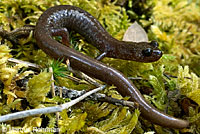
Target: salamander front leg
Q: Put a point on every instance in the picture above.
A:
(63, 32)
(101, 56)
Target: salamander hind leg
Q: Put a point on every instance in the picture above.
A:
(63, 32)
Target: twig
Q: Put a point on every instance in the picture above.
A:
(53, 92)
(82, 75)
(104, 98)
(46, 110)
(24, 62)
(135, 78)
(85, 77)
(69, 93)
(52, 84)
(171, 76)
(73, 78)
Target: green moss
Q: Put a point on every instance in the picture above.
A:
(120, 121)
(73, 124)
(101, 110)
(174, 24)
(38, 87)
(188, 87)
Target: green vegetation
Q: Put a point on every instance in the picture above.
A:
(174, 24)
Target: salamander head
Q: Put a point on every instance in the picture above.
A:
(143, 51)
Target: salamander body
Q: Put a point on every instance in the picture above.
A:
(59, 19)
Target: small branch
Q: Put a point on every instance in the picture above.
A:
(52, 83)
(104, 98)
(73, 78)
(68, 93)
(23, 62)
(171, 76)
(83, 76)
(135, 78)
(53, 92)
(46, 110)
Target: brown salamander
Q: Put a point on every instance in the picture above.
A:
(56, 21)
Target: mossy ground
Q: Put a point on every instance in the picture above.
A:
(173, 23)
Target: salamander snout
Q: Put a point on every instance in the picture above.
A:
(151, 52)
(157, 52)
(139, 51)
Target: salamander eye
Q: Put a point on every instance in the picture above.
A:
(154, 44)
(147, 52)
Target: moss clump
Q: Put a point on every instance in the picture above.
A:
(38, 87)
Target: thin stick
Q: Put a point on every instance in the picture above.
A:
(86, 77)
(82, 75)
(104, 98)
(24, 62)
(46, 110)
(53, 92)
(67, 105)
(52, 83)
(69, 93)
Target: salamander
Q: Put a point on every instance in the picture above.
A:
(58, 20)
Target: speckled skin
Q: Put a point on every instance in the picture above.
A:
(56, 21)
